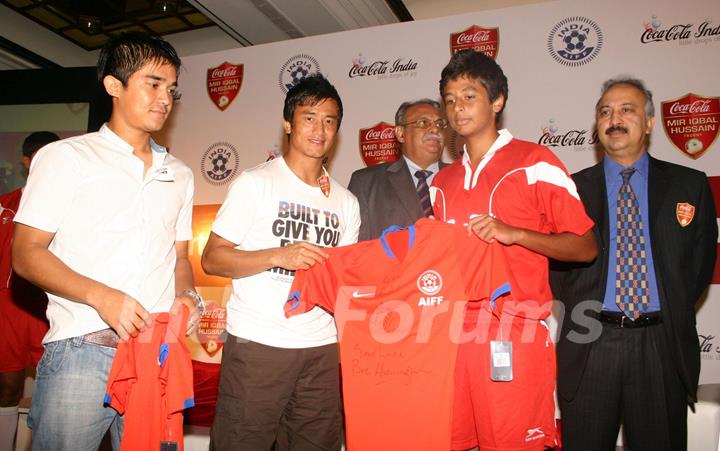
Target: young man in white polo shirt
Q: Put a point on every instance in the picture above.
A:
(103, 228)
(279, 382)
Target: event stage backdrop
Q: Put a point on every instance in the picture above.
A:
(556, 56)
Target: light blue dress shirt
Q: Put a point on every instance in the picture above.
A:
(639, 184)
(435, 167)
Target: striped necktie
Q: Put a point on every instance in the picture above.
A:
(424, 191)
(631, 284)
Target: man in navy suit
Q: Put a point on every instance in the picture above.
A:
(632, 355)
(388, 193)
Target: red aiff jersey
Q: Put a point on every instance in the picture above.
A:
(523, 185)
(151, 383)
(399, 304)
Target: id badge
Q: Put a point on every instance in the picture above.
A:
(501, 361)
(168, 446)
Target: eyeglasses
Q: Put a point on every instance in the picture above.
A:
(426, 123)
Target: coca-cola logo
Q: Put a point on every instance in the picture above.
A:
(575, 139)
(378, 67)
(485, 40)
(570, 138)
(382, 134)
(698, 106)
(674, 33)
(575, 41)
(478, 36)
(378, 144)
(226, 72)
(400, 67)
(652, 32)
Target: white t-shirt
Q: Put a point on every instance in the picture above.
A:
(269, 206)
(111, 224)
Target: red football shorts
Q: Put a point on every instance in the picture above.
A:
(517, 415)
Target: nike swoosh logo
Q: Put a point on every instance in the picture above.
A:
(358, 294)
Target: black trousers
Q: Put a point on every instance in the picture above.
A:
(628, 379)
(277, 399)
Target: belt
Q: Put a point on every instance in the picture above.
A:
(619, 319)
(104, 337)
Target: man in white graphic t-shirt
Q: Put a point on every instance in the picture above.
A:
(279, 382)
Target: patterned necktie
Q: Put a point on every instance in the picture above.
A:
(424, 191)
(631, 285)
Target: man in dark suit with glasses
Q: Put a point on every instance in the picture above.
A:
(396, 193)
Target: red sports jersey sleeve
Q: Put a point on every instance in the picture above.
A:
(558, 197)
(311, 288)
(321, 284)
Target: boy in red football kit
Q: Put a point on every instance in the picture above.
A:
(519, 194)
(22, 308)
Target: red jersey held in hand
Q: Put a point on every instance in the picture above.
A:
(151, 384)
(398, 303)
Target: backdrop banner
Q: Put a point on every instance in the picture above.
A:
(556, 56)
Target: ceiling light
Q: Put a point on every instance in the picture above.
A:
(90, 24)
(166, 6)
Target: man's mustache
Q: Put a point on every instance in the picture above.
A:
(615, 128)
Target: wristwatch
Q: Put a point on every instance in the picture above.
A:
(199, 302)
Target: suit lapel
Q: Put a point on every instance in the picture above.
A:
(658, 183)
(596, 200)
(596, 204)
(657, 188)
(402, 183)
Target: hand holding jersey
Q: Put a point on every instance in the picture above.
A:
(491, 229)
(123, 313)
(300, 255)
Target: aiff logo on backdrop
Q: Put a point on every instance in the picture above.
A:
(575, 41)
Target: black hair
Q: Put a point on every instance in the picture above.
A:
(311, 90)
(36, 140)
(477, 66)
(126, 53)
